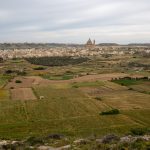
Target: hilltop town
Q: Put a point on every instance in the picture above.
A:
(88, 49)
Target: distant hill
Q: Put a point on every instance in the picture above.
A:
(139, 44)
(108, 44)
(12, 46)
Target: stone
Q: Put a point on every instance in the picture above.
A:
(110, 138)
(46, 148)
(67, 147)
(81, 142)
(3, 142)
(98, 140)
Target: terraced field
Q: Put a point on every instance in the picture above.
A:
(71, 108)
(46, 102)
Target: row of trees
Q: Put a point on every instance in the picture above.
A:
(56, 61)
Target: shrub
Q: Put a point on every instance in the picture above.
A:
(75, 86)
(8, 71)
(39, 68)
(110, 112)
(98, 98)
(18, 81)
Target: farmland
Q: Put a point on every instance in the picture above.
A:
(68, 99)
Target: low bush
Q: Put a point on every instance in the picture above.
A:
(9, 71)
(75, 86)
(110, 112)
(18, 81)
(39, 68)
(98, 98)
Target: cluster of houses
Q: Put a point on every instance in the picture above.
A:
(89, 49)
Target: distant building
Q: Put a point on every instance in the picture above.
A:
(90, 44)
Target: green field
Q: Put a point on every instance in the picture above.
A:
(70, 111)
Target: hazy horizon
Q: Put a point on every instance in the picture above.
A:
(74, 21)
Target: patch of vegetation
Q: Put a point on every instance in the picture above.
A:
(139, 131)
(75, 86)
(110, 112)
(39, 68)
(88, 84)
(4, 79)
(127, 81)
(57, 61)
(34, 141)
(98, 98)
(18, 72)
(18, 81)
(1, 60)
(57, 77)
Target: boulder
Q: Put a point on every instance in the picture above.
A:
(67, 147)
(110, 138)
(81, 142)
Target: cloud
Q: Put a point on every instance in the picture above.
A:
(74, 20)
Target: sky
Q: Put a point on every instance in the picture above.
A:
(74, 21)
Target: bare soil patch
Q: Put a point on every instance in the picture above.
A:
(22, 94)
(104, 77)
(25, 83)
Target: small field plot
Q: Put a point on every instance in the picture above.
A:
(144, 88)
(140, 116)
(4, 94)
(88, 84)
(4, 80)
(62, 103)
(20, 82)
(127, 100)
(22, 94)
(100, 87)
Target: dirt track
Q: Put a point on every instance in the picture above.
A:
(106, 77)
(31, 81)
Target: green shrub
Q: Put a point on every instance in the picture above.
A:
(98, 98)
(18, 81)
(39, 68)
(75, 86)
(110, 112)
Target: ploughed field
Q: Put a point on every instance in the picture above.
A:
(34, 106)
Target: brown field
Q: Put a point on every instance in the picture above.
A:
(22, 94)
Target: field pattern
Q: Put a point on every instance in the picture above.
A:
(70, 99)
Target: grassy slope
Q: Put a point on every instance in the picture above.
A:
(63, 110)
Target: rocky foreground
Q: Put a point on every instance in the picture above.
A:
(59, 142)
